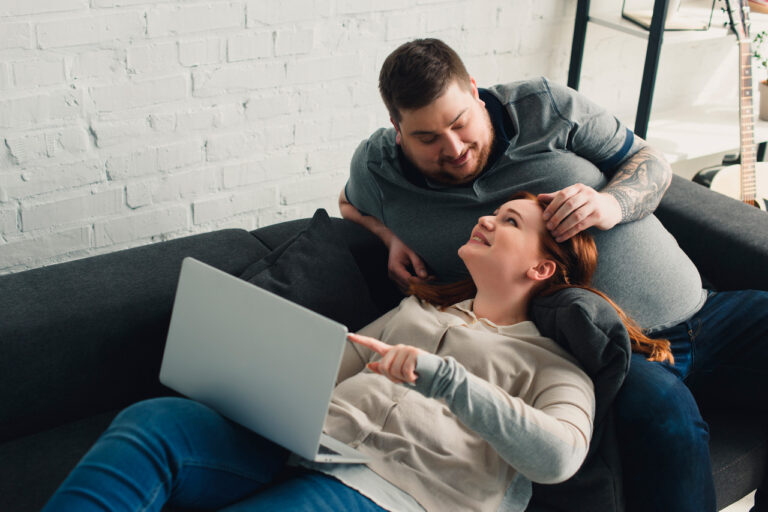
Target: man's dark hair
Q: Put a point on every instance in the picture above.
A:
(417, 73)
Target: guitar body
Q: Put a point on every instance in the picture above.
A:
(726, 180)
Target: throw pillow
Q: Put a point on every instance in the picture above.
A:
(316, 270)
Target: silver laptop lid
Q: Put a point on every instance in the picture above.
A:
(261, 360)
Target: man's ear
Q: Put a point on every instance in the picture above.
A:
(542, 270)
(398, 138)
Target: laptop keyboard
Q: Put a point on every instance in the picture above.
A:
(324, 450)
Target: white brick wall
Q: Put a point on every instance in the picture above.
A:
(124, 122)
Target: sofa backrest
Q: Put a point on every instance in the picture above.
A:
(87, 336)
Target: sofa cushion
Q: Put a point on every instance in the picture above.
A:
(315, 269)
(588, 327)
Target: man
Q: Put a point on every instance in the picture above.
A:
(456, 152)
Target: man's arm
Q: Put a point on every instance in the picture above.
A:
(633, 192)
(400, 255)
(639, 183)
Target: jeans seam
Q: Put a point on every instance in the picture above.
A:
(219, 467)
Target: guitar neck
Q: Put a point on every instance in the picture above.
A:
(746, 123)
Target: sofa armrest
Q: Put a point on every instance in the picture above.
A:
(725, 238)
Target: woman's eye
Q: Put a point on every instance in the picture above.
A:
(511, 221)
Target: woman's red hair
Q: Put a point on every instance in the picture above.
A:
(576, 260)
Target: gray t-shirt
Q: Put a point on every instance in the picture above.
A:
(558, 138)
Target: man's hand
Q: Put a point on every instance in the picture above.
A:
(400, 258)
(578, 207)
(398, 362)
(400, 255)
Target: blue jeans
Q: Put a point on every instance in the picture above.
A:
(721, 358)
(179, 452)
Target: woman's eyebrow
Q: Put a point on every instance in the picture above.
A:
(512, 210)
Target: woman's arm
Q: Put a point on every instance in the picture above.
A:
(547, 441)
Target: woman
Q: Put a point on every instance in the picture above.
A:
(472, 407)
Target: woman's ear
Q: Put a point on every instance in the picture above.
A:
(542, 271)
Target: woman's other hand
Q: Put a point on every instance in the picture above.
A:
(397, 363)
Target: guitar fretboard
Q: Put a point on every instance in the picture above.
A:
(746, 123)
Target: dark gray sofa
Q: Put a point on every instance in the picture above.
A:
(80, 340)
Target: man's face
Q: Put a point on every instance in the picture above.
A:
(450, 139)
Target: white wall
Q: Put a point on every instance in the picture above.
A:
(125, 122)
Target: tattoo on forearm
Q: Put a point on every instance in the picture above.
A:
(639, 184)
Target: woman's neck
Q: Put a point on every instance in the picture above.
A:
(506, 309)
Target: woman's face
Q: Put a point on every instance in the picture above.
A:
(505, 245)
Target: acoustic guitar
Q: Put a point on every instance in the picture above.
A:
(747, 182)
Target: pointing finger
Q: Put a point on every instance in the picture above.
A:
(377, 346)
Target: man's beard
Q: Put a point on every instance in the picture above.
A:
(448, 178)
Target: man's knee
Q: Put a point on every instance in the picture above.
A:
(655, 405)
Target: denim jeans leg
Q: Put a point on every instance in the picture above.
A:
(307, 491)
(169, 450)
(730, 367)
(664, 442)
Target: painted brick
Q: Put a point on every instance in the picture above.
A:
(198, 52)
(121, 3)
(323, 69)
(139, 93)
(250, 173)
(5, 76)
(249, 46)
(179, 154)
(281, 134)
(366, 6)
(225, 146)
(15, 35)
(110, 133)
(44, 179)
(32, 250)
(357, 125)
(98, 63)
(464, 16)
(273, 12)
(171, 187)
(157, 57)
(219, 116)
(403, 26)
(206, 210)
(269, 216)
(188, 19)
(315, 187)
(138, 163)
(34, 110)
(139, 193)
(331, 160)
(9, 220)
(237, 77)
(260, 108)
(294, 41)
(311, 130)
(320, 99)
(184, 185)
(141, 224)
(90, 29)
(47, 143)
(81, 207)
(35, 73)
(23, 7)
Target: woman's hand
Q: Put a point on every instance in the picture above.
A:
(397, 363)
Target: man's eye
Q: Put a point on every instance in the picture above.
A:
(428, 141)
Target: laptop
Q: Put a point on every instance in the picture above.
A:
(256, 358)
